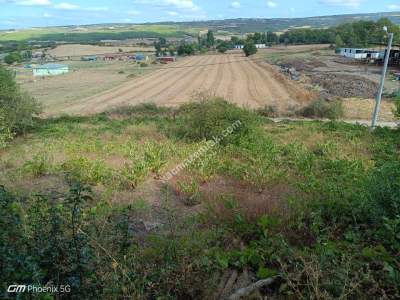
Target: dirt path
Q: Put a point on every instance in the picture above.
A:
(231, 76)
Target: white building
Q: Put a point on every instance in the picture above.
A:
(239, 46)
(359, 53)
(261, 46)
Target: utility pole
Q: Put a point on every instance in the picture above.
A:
(380, 91)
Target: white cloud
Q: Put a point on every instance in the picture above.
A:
(172, 13)
(350, 3)
(47, 15)
(33, 2)
(235, 4)
(66, 6)
(177, 4)
(271, 4)
(394, 6)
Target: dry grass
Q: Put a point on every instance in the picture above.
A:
(78, 50)
(361, 109)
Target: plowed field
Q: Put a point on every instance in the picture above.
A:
(247, 82)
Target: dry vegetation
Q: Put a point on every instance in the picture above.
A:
(232, 76)
(80, 50)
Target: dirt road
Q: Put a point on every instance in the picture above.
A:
(232, 76)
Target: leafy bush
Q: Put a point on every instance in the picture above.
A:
(13, 58)
(17, 108)
(269, 111)
(213, 119)
(397, 107)
(222, 47)
(249, 48)
(186, 49)
(332, 110)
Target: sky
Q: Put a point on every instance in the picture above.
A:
(38, 13)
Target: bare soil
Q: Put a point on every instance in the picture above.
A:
(78, 50)
(240, 80)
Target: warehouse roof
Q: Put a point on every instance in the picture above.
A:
(51, 66)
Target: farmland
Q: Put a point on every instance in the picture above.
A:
(238, 79)
(196, 170)
(83, 80)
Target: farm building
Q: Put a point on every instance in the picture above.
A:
(50, 70)
(239, 46)
(166, 59)
(141, 57)
(119, 56)
(261, 46)
(358, 53)
(89, 58)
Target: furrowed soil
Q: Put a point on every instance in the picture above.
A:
(244, 81)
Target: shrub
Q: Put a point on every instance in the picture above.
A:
(269, 111)
(222, 47)
(323, 109)
(249, 48)
(13, 58)
(397, 107)
(186, 49)
(17, 108)
(213, 119)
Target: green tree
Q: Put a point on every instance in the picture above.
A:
(17, 108)
(11, 58)
(210, 38)
(186, 49)
(222, 47)
(27, 55)
(249, 48)
(339, 42)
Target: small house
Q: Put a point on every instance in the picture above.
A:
(166, 59)
(50, 70)
(239, 46)
(89, 58)
(261, 46)
(359, 53)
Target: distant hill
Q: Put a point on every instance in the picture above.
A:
(97, 32)
(280, 24)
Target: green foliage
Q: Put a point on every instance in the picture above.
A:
(339, 42)
(186, 49)
(11, 58)
(213, 119)
(332, 110)
(17, 108)
(222, 47)
(397, 107)
(210, 40)
(249, 48)
(41, 241)
(314, 204)
(355, 34)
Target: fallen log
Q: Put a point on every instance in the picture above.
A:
(246, 291)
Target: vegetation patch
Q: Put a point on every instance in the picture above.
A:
(312, 206)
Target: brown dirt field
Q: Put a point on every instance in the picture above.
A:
(232, 76)
(78, 50)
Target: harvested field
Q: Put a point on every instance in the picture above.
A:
(232, 76)
(78, 50)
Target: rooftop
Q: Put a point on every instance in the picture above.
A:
(51, 66)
